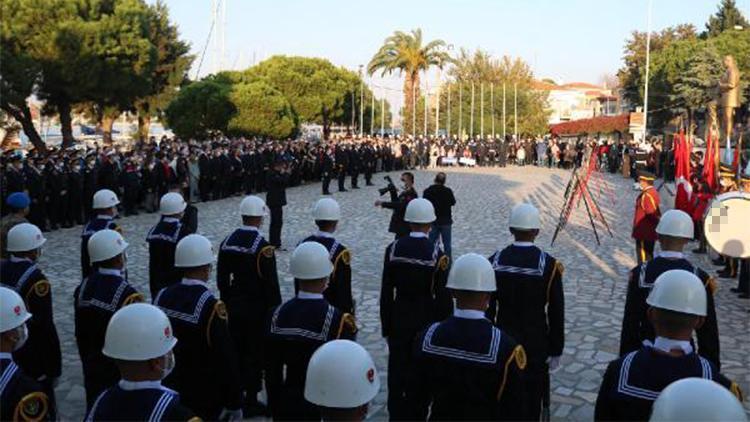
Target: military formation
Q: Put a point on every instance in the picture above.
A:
(474, 339)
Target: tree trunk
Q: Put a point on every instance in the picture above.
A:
(66, 124)
(326, 124)
(107, 123)
(23, 116)
(411, 93)
(144, 126)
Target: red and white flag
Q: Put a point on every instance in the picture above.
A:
(682, 152)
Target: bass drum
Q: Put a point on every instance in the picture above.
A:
(727, 224)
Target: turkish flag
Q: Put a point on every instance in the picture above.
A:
(709, 163)
(682, 173)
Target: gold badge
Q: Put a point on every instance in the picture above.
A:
(221, 310)
(267, 251)
(444, 262)
(32, 407)
(346, 257)
(520, 356)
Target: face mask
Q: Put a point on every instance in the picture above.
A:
(23, 335)
(168, 365)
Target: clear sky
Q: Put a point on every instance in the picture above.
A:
(567, 40)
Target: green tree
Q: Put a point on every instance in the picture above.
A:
(261, 110)
(726, 18)
(200, 109)
(407, 54)
(172, 64)
(695, 85)
(481, 69)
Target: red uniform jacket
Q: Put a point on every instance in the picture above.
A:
(647, 215)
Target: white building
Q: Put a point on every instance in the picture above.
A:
(578, 100)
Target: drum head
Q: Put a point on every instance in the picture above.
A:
(727, 225)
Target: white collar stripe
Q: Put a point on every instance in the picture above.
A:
(301, 332)
(7, 375)
(489, 357)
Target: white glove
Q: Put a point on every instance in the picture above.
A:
(554, 364)
(230, 414)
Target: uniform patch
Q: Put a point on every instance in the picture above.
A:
(711, 285)
(32, 407)
(560, 267)
(41, 288)
(134, 298)
(346, 257)
(737, 391)
(444, 262)
(520, 355)
(221, 310)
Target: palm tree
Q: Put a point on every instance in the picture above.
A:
(404, 52)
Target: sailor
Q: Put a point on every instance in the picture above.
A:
(96, 299)
(249, 285)
(104, 210)
(697, 399)
(632, 382)
(529, 304)
(139, 395)
(646, 217)
(297, 328)
(341, 380)
(40, 357)
(675, 230)
(205, 374)
(465, 367)
(21, 397)
(162, 240)
(327, 214)
(412, 297)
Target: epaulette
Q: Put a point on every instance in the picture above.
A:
(560, 267)
(347, 322)
(267, 251)
(41, 288)
(345, 256)
(134, 298)
(32, 407)
(711, 285)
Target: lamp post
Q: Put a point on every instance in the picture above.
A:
(361, 101)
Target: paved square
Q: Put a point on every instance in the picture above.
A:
(595, 276)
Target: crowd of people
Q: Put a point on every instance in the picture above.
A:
(472, 339)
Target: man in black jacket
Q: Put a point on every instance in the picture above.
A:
(442, 199)
(276, 199)
(398, 204)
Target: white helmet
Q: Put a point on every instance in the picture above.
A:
(24, 237)
(193, 250)
(104, 198)
(697, 399)
(327, 209)
(341, 374)
(252, 206)
(419, 211)
(679, 291)
(472, 272)
(172, 203)
(310, 261)
(12, 310)
(105, 244)
(525, 217)
(138, 332)
(676, 223)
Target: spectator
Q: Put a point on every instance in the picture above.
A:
(442, 200)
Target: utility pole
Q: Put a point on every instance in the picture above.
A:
(503, 110)
(648, 62)
(515, 110)
(471, 114)
(382, 115)
(361, 102)
(481, 112)
(492, 107)
(426, 97)
(437, 105)
(460, 111)
(449, 113)
(372, 111)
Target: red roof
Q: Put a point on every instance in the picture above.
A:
(579, 85)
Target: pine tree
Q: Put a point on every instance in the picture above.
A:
(727, 17)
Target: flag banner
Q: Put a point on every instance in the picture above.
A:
(682, 173)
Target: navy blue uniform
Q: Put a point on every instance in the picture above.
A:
(468, 370)
(412, 296)
(339, 290)
(139, 401)
(297, 328)
(205, 373)
(635, 324)
(162, 241)
(21, 397)
(632, 382)
(100, 222)
(249, 285)
(96, 299)
(529, 307)
(40, 357)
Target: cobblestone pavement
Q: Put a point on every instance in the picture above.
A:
(595, 276)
